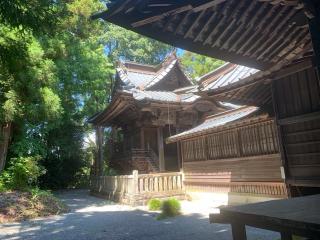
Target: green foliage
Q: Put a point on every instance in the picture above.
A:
(170, 208)
(36, 15)
(197, 65)
(2, 185)
(22, 174)
(82, 178)
(37, 192)
(128, 45)
(154, 204)
(56, 70)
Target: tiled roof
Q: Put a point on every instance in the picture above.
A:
(215, 121)
(192, 88)
(140, 95)
(230, 105)
(141, 76)
(160, 75)
(233, 75)
(134, 78)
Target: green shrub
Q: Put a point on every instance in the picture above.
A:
(37, 192)
(154, 204)
(2, 186)
(22, 174)
(170, 208)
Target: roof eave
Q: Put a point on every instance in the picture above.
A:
(237, 123)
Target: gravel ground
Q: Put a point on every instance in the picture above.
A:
(93, 218)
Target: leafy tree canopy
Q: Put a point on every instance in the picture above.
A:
(56, 70)
(197, 65)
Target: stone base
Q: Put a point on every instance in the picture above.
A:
(212, 199)
(241, 198)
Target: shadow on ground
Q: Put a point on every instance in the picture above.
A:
(93, 218)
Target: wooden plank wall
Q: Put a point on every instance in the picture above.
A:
(297, 106)
(259, 175)
(243, 160)
(255, 169)
(249, 140)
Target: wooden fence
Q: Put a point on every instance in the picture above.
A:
(138, 188)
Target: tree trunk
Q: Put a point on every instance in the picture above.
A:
(5, 135)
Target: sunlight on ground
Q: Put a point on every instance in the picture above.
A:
(93, 218)
(106, 208)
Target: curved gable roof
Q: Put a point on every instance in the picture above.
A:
(142, 76)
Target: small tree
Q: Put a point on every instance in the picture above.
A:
(22, 174)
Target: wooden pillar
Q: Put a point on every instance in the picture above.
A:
(161, 149)
(238, 231)
(113, 140)
(286, 235)
(312, 11)
(99, 142)
(283, 154)
(142, 138)
(178, 152)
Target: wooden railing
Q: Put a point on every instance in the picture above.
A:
(160, 182)
(122, 184)
(138, 188)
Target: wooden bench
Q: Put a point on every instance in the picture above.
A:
(296, 216)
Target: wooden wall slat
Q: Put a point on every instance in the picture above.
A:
(258, 168)
(296, 96)
(254, 140)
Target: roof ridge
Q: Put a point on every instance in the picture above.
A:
(230, 111)
(227, 67)
(160, 74)
(156, 67)
(138, 64)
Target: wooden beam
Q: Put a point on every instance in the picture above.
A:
(299, 118)
(207, 5)
(161, 16)
(271, 75)
(194, 24)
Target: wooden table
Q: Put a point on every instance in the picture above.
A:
(296, 216)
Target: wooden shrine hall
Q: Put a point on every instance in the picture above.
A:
(149, 104)
(280, 37)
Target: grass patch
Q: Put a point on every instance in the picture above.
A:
(154, 204)
(169, 208)
(18, 206)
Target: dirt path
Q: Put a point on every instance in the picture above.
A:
(93, 218)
